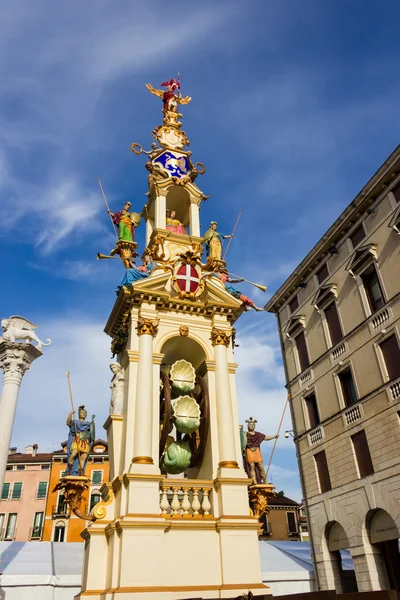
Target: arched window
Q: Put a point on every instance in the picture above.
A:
(95, 497)
(59, 532)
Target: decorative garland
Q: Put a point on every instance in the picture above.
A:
(121, 337)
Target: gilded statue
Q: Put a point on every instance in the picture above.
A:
(252, 457)
(172, 96)
(213, 241)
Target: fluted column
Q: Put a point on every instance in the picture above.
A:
(226, 436)
(15, 359)
(142, 440)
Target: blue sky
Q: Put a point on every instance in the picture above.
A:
(295, 105)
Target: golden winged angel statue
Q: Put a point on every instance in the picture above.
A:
(172, 96)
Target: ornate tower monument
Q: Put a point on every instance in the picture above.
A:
(174, 521)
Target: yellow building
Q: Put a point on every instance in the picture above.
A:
(61, 525)
(338, 317)
(282, 523)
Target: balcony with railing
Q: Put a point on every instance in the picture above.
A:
(315, 436)
(353, 414)
(380, 319)
(306, 377)
(35, 533)
(338, 351)
(395, 389)
(186, 498)
(61, 511)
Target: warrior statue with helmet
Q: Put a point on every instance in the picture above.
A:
(252, 457)
(80, 441)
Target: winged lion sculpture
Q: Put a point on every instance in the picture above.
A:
(17, 328)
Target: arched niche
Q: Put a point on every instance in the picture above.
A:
(384, 537)
(337, 537)
(382, 527)
(179, 347)
(178, 199)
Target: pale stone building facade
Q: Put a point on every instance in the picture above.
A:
(338, 318)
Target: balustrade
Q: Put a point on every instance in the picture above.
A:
(353, 414)
(380, 319)
(316, 436)
(185, 498)
(338, 351)
(395, 389)
(305, 377)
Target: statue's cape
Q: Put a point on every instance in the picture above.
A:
(80, 426)
(255, 440)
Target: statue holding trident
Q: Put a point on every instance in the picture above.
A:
(250, 443)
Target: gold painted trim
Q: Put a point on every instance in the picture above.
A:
(186, 483)
(177, 588)
(228, 464)
(218, 481)
(133, 355)
(142, 460)
(141, 516)
(141, 476)
(112, 418)
(254, 525)
(157, 358)
(142, 525)
(99, 510)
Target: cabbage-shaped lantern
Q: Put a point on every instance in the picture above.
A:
(186, 414)
(176, 458)
(183, 376)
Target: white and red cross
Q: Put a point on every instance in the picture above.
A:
(187, 279)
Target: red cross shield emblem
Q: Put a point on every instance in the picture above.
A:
(187, 279)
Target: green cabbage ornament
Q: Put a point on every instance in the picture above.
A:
(177, 458)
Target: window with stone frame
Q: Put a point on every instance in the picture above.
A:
(5, 492)
(322, 273)
(312, 410)
(348, 387)
(323, 472)
(16, 491)
(396, 192)
(363, 456)
(302, 352)
(332, 320)
(358, 235)
(372, 288)
(292, 522)
(42, 489)
(97, 477)
(391, 356)
(294, 304)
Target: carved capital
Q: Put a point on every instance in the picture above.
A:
(147, 326)
(219, 337)
(16, 358)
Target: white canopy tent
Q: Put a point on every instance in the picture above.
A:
(52, 571)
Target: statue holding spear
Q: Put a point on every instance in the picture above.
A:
(80, 439)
